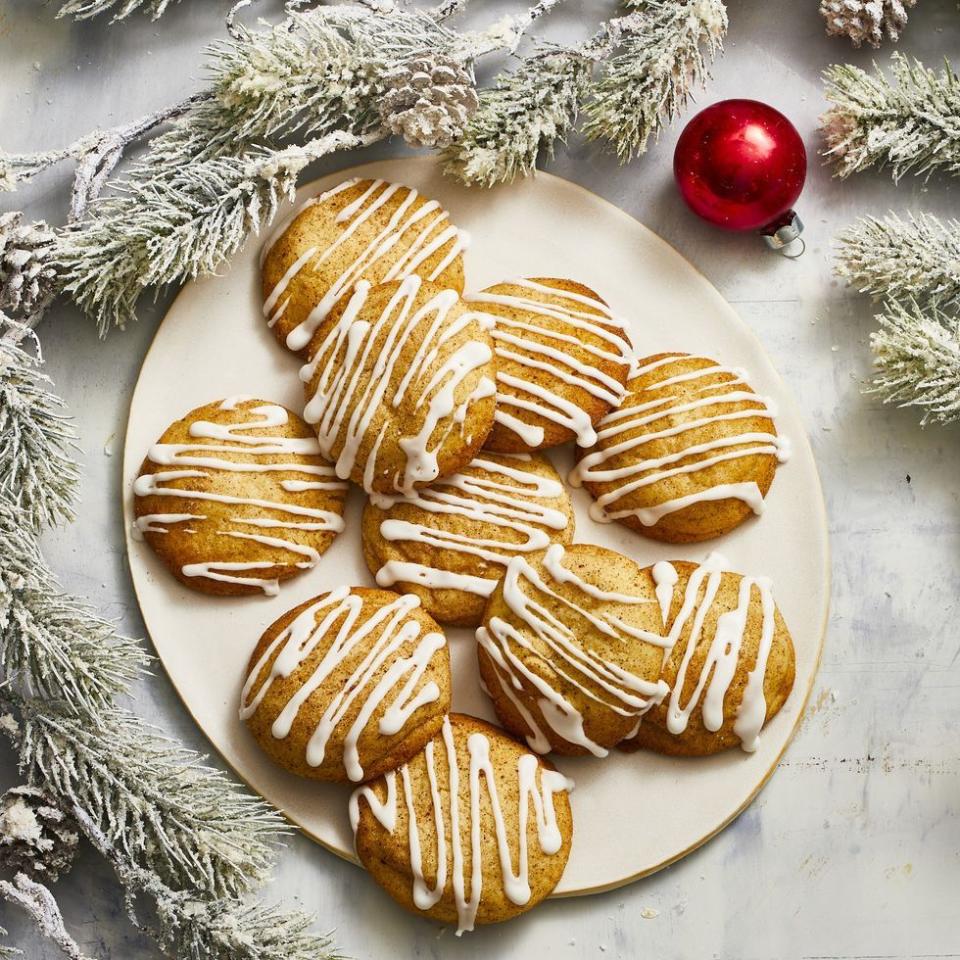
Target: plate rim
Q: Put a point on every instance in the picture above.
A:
(787, 393)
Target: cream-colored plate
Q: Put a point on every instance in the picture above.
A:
(633, 813)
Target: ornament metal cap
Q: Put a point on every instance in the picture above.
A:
(783, 232)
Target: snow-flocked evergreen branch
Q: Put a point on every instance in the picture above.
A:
(917, 358)
(221, 929)
(38, 472)
(909, 124)
(650, 61)
(662, 58)
(201, 187)
(221, 170)
(519, 120)
(190, 825)
(171, 229)
(892, 258)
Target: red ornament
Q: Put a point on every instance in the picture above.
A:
(741, 165)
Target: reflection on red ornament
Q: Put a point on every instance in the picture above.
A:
(741, 165)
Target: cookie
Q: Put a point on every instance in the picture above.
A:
(400, 385)
(690, 454)
(562, 361)
(473, 830)
(362, 229)
(236, 497)
(348, 685)
(450, 543)
(730, 660)
(571, 648)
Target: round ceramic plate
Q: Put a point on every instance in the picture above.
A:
(214, 343)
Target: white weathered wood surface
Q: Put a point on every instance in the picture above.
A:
(853, 849)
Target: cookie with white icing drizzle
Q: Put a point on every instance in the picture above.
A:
(236, 497)
(562, 362)
(359, 230)
(690, 454)
(571, 648)
(473, 830)
(400, 385)
(450, 543)
(729, 663)
(348, 685)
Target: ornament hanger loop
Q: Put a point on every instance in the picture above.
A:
(799, 242)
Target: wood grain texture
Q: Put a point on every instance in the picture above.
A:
(851, 849)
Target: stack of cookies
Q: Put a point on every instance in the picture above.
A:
(439, 404)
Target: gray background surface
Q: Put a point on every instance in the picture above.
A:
(852, 849)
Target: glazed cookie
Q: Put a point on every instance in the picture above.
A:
(571, 649)
(449, 544)
(562, 362)
(730, 661)
(400, 385)
(347, 685)
(690, 454)
(474, 829)
(360, 230)
(236, 497)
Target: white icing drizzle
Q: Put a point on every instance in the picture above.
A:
(559, 644)
(448, 807)
(645, 415)
(247, 446)
(492, 493)
(522, 341)
(720, 664)
(426, 225)
(345, 411)
(397, 687)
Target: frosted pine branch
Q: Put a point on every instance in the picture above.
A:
(222, 929)
(896, 259)
(154, 800)
(524, 115)
(171, 229)
(917, 357)
(663, 57)
(865, 21)
(228, 930)
(910, 123)
(38, 470)
(52, 645)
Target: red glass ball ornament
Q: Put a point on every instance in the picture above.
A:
(741, 165)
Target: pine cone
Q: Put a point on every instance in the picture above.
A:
(428, 101)
(26, 275)
(865, 20)
(36, 837)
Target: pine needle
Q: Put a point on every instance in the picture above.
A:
(910, 124)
